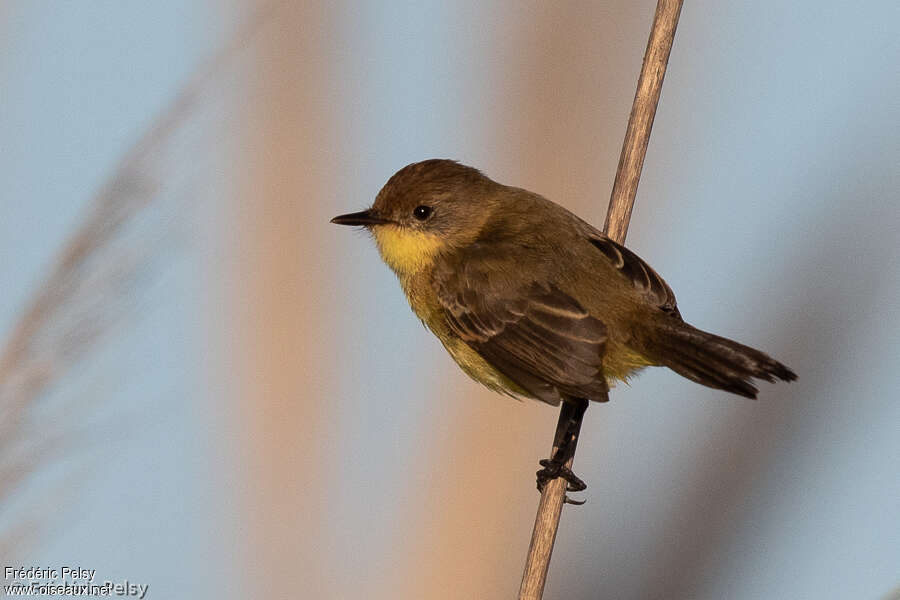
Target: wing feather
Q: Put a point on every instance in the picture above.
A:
(642, 277)
(533, 333)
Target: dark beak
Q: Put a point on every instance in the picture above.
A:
(366, 218)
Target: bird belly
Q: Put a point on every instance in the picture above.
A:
(429, 310)
(619, 365)
(476, 367)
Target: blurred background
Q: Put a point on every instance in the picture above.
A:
(207, 388)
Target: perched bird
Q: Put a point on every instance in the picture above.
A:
(534, 302)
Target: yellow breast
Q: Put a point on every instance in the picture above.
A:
(406, 251)
(427, 307)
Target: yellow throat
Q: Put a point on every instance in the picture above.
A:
(406, 251)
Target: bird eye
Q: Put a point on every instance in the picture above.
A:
(422, 212)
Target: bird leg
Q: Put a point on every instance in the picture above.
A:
(564, 446)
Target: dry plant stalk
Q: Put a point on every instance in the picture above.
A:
(131, 232)
(628, 174)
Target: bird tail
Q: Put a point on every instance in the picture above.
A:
(714, 361)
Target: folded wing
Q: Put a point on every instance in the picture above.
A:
(533, 333)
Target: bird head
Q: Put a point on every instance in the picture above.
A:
(424, 209)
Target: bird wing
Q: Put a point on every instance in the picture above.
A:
(536, 335)
(644, 279)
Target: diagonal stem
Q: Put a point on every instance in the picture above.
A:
(628, 174)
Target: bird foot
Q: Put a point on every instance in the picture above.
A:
(555, 468)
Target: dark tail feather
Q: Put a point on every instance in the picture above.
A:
(714, 361)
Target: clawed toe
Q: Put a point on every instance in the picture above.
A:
(553, 469)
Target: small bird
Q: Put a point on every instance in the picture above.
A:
(534, 302)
